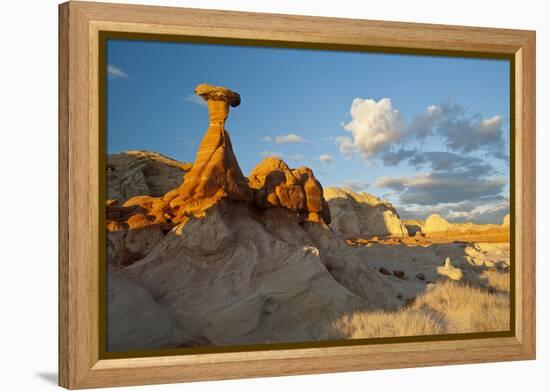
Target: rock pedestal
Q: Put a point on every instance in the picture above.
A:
(216, 173)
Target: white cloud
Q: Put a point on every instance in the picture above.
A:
(346, 146)
(377, 128)
(374, 126)
(480, 212)
(289, 139)
(267, 139)
(116, 73)
(195, 99)
(326, 159)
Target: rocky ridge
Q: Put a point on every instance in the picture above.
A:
(354, 214)
(134, 173)
(437, 226)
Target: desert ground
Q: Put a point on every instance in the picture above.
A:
(198, 254)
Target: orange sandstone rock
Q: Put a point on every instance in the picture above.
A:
(276, 185)
(216, 173)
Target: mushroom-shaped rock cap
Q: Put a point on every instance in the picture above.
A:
(210, 92)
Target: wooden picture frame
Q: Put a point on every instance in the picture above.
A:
(80, 26)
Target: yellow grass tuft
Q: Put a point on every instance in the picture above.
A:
(448, 308)
(389, 324)
(467, 309)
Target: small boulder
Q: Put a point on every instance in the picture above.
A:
(399, 274)
(384, 271)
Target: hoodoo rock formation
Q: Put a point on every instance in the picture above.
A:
(276, 185)
(228, 259)
(215, 173)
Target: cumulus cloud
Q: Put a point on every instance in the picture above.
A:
(487, 210)
(267, 139)
(289, 139)
(441, 187)
(459, 177)
(460, 131)
(377, 129)
(470, 134)
(423, 123)
(460, 188)
(116, 73)
(396, 157)
(443, 161)
(356, 186)
(374, 126)
(346, 146)
(326, 159)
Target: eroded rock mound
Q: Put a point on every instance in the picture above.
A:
(216, 173)
(276, 185)
(237, 276)
(436, 224)
(354, 214)
(136, 320)
(134, 173)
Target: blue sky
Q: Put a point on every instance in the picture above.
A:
(430, 134)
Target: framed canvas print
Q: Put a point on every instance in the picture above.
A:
(248, 195)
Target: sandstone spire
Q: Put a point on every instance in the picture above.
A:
(216, 173)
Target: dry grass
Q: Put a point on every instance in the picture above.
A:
(389, 324)
(448, 308)
(497, 280)
(467, 309)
